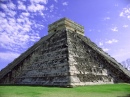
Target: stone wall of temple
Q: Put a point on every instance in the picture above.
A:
(88, 66)
(47, 65)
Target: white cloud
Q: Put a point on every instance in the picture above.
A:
(100, 43)
(36, 8)
(115, 29)
(7, 10)
(3, 6)
(105, 49)
(11, 13)
(25, 14)
(4, 38)
(8, 55)
(11, 5)
(2, 14)
(16, 33)
(51, 8)
(128, 17)
(125, 26)
(65, 3)
(111, 41)
(121, 14)
(39, 1)
(21, 5)
(125, 12)
(18, 23)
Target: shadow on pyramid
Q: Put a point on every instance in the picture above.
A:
(65, 57)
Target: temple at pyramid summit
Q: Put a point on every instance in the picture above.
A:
(65, 57)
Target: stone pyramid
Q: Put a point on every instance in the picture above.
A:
(65, 57)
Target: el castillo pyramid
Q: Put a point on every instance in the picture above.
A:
(65, 57)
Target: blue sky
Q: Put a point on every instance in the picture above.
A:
(24, 22)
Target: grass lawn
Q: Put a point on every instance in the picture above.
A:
(111, 90)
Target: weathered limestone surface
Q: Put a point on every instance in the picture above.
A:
(47, 64)
(64, 58)
(89, 66)
(65, 23)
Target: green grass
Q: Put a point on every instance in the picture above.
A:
(111, 90)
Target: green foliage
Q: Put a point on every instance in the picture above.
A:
(109, 90)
